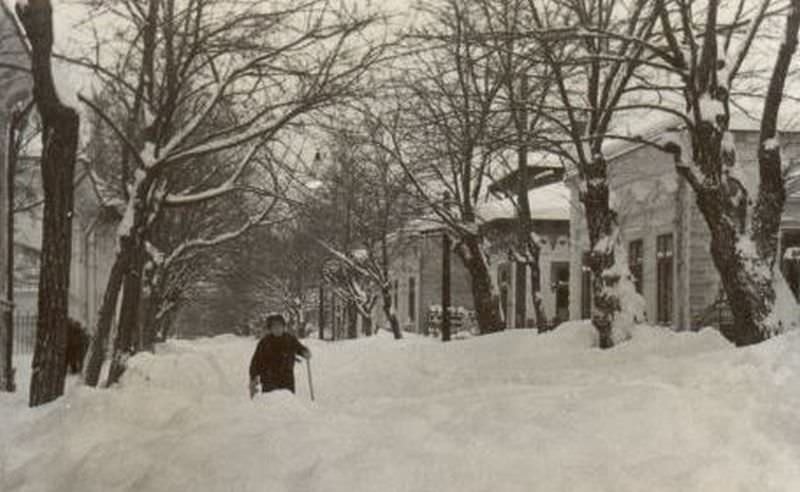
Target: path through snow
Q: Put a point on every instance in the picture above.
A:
(514, 411)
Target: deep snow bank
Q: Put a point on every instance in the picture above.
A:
(512, 411)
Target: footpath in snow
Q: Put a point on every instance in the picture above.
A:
(514, 411)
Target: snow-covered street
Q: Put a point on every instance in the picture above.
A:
(512, 411)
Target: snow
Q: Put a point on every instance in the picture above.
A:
(514, 411)
(710, 109)
(148, 155)
(551, 202)
(125, 225)
(728, 143)
(314, 184)
(156, 254)
(771, 144)
(785, 312)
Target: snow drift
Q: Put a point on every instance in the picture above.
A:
(513, 411)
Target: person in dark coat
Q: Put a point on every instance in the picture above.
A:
(272, 364)
(77, 345)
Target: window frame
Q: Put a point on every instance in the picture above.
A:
(665, 278)
(636, 263)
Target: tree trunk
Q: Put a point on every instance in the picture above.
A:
(352, 320)
(59, 147)
(743, 217)
(607, 276)
(747, 286)
(321, 315)
(148, 323)
(530, 252)
(747, 271)
(164, 324)
(366, 321)
(97, 348)
(538, 308)
(129, 314)
(527, 246)
(334, 320)
(485, 297)
(388, 310)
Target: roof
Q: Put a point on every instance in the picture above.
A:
(652, 124)
(537, 176)
(551, 202)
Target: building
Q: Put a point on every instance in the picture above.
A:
(96, 218)
(94, 242)
(416, 268)
(665, 235)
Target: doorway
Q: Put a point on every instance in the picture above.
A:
(559, 273)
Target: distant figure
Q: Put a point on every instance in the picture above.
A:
(272, 364)
(77, 345)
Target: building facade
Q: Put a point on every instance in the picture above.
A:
(416, 268)
(665, 236)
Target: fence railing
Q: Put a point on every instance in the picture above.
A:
(24, 332)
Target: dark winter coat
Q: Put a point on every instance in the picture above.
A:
(77, 345)
(273, 361)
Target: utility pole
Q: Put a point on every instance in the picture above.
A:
(446, 247)
(445, 286)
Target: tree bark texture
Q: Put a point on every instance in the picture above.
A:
(59, 147)
(487, 303)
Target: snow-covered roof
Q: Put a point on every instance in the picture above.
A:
(551, 202)
(427, 223)
(652, 124)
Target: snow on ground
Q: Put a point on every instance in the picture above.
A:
(514, 411)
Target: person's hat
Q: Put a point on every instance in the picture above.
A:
(274, 318)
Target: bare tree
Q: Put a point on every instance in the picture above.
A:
(526, 85)
(441, 130)
(198, 84)
(609, 58)
(707, 51)
(59, 147)
(381, 201)
(592, 78)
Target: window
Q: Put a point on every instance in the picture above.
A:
(395, 304)
(635, 262)
(664, 283)
(790, 259)
(560, 275)
(412, 299)
(586, 288)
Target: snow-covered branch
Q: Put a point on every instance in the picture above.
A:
(197, 243)
(211, 193)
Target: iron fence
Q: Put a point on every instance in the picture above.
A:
(24, 332)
